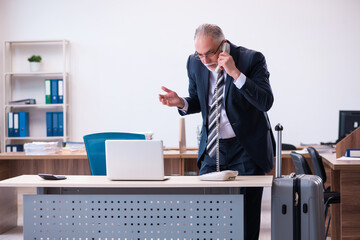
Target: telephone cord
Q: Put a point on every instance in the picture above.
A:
(217, 128)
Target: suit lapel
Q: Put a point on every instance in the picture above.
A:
(205, 76)
(228, 81)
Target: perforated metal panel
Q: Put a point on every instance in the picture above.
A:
(138, 217)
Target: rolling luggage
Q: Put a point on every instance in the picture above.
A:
(297, 204)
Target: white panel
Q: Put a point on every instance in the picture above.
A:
(141, 217)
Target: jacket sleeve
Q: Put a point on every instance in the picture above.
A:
(257, 89)
(192, 99)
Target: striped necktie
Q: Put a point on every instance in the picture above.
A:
(214, 119)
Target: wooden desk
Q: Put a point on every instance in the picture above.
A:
(86, 181)
(15, 164)
(344, 178)
(189, 157)
(147, 192)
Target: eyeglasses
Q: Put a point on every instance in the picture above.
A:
(209, 54)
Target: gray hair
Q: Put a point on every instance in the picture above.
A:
(210, 30)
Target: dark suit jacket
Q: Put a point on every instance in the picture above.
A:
(246, 107)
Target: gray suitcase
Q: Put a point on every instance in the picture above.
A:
(297, 204)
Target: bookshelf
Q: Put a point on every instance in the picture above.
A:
(20, 83)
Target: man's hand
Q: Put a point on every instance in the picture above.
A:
(171, 98)
(226, 62)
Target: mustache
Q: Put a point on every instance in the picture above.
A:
(210, 64)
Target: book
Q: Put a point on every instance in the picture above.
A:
(23, 124)
(23, 101)
(352, 153)
(55, 124)
(48, 91)
(60, 91)
(16, 125)
(8, 148)
(54, 91)
(10, 124)
(14, 148)
(60, 124)
(49, 128)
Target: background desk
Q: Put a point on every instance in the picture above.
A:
(344, 178)
(15, 164)
(176, 163)
(101, 182)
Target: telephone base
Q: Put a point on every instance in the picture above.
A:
(226, 175)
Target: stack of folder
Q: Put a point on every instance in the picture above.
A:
(54, 91)
(54, 124)
(41, 148)
(18, 124)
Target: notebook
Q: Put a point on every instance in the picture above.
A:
(134, 159)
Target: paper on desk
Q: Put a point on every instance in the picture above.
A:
(349, 158)
(302, 151)
(319, 149)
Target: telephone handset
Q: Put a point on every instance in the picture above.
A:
(224, 48)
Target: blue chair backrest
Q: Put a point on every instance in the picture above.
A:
(95, 148)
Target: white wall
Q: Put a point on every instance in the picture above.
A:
(124, 51)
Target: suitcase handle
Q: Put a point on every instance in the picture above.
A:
(278, 129)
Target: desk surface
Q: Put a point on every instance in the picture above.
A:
(83, 181)
(330, 160)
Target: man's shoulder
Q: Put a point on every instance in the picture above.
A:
(194, 63)
(243, 51)
(246, 57)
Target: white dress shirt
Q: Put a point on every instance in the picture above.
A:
(225, 130)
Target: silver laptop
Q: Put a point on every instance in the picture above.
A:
(134, 159)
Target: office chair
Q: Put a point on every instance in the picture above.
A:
(302, 167)
(286, 146)
(300, 163)
(317, 164)
(95, 148)
(332, 197)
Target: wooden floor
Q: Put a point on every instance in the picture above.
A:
(265, 232)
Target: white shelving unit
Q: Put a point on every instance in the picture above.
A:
(20, 83)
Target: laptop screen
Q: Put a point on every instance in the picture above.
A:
(134, 159)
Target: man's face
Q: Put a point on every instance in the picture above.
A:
(208, 51)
